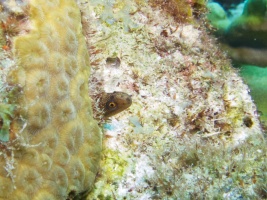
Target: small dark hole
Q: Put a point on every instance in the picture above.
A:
(248, 121)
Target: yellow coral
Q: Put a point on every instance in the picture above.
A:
(57, 145)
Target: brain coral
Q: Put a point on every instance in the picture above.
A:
(55, 146)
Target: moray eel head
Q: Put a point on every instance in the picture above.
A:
(113, 103)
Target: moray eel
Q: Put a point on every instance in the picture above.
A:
(113, 103)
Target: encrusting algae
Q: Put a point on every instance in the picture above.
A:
(54, 147)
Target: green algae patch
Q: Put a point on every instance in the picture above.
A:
(6, 115)
(114, 165)
(255, 77)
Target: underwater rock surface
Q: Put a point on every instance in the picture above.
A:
(191, 111)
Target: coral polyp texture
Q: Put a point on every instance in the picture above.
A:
(54, 147)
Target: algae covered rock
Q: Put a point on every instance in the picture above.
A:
(191, 117)
(55, 144)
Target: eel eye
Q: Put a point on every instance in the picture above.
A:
(112, 105)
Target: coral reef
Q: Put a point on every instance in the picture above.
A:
(243, 30)
(54, 147)
(218, 17)
(192, 131)
(252, 22)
